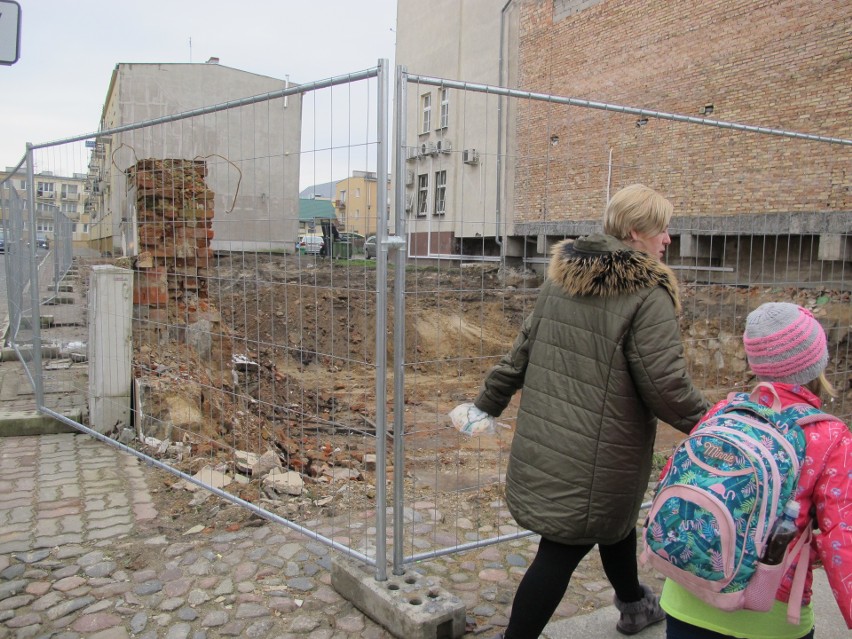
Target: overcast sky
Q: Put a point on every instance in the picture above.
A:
(69, 49)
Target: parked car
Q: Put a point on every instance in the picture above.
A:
(2, 241)
(42, 241)
(370, 247)
(312, 244)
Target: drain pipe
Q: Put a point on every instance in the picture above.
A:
(608, 177)
(498, 207)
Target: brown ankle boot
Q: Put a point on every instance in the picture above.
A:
(638, 615)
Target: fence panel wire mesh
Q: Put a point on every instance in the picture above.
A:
(760, 215)
(28, 259)
(257, 361)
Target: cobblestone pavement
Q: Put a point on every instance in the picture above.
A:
(83, 554)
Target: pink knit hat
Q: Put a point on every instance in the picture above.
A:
(784, 343)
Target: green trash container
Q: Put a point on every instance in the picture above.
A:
(342, 250)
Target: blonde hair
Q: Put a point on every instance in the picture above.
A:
(821, 386)
(637, 208)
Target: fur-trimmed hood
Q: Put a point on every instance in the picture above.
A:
(603, 266)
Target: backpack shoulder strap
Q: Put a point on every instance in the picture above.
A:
(807, 414)
(801, 548)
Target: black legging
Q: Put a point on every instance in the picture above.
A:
(546, 581)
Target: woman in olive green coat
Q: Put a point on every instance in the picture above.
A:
(599, 360)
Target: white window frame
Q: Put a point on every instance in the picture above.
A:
(422, 194)
(445, 108)
(440, 192)
(426, 111)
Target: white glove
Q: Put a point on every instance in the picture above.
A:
(469, 420)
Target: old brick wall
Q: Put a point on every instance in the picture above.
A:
(783, 64)
(174, 211)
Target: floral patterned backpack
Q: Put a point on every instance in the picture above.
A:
(723, 489)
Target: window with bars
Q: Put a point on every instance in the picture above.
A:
(445, 108)
(440, 192)
(422, 193)
(426, 101)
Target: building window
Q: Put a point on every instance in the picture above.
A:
(45, 189)
(445, 108)
(422, 194)
(440, 192)
(426, 100)
(23, 185)
(358, 192)
(343, 196)
(68, 207)
(69, 190)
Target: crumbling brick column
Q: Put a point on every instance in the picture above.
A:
(174, 214)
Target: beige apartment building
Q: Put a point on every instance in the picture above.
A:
(455, 188)
(54, 194)
(251, 152)
(543, 171)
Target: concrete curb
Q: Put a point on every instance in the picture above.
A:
(601, 623)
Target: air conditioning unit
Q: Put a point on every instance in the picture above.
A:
(412, 153)
(409, 203)
(428, 148)
(443, 146)
(470, 156)
(409, 178)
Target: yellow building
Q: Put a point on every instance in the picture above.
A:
(355, 201)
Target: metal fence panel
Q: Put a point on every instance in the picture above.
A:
(483, 210)
(255, 362)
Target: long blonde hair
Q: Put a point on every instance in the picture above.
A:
(821, 386)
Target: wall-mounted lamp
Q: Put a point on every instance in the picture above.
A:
(707, 109)
(641, 122)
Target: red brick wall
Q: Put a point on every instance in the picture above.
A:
(175, 218)
(785, 64)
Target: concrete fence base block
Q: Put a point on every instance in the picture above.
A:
(409, 606)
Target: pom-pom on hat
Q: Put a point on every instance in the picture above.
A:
(784, 343)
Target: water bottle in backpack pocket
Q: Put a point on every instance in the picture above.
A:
(779, 552)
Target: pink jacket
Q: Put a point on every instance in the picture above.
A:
(825, 489)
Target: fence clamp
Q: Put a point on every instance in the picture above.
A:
(394, 242)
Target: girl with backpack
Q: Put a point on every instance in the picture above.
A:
(786, 348)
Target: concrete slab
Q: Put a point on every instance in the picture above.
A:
(601, 623)
(29, 423)
(409, 606)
